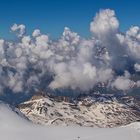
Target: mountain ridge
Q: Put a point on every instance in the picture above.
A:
(96, 110)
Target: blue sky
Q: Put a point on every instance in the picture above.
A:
(51, 16)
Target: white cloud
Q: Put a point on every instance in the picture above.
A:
(70, 61)
(18, 29)
(36, 33)
(137, 67)
(123, 82)
(104, 23)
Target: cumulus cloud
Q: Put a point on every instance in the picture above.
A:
(131, 42)
(36, 33)
(137, 67)
(123, 82)
(18, 29)
(105, 22)
(35, 62)
(83, 76)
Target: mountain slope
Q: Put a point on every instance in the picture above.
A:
(93, 111)
(14, 127)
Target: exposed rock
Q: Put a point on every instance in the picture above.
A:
(94, 111)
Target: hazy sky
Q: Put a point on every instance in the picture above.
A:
(51, 16)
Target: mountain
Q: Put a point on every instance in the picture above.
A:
(14, 127)
(95, 110)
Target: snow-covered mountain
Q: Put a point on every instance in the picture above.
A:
(14, 127)
(94, 110)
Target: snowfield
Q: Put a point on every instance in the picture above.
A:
(14, 127)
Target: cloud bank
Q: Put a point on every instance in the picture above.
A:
(35, 62)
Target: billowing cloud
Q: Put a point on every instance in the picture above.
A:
(71, 62)
(105, 22)
(137, 67)
(123, 82)
(18, 29)
(36, 33)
